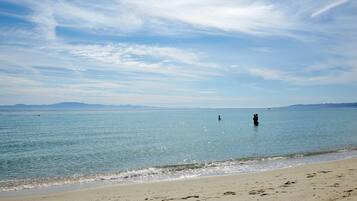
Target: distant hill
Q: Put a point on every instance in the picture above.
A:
(86, 106)
(69, 105)
(324, 105)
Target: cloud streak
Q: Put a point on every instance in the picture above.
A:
(144, 58)
(229, 16)
(328, 78)
(161, 49)
(161, 17)
(122, 17)
(328, 7)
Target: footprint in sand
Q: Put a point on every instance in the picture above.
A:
(324, 171)
(254, 192)
(229, 193)
(190, 196)
(288, 183)
(335, 185)
(311, 175)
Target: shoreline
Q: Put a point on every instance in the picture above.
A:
(179, 172)
(325, 180)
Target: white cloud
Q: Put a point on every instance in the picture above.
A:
(262, 49)
(153, 16)
(144, 70)
(103, 16)
(272, 74)
(169, 69)
(328, 78)
(144, 58)
(118, 57)
(43, 16)
(122, 17)
(230, 16)
(328, 7)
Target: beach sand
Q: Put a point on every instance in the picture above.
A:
(335, 180)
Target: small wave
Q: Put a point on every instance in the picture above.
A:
(180, 171)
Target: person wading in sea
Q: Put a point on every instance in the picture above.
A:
(255, 120)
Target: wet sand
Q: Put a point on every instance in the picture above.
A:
(330, 181)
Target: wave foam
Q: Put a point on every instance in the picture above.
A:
(182, 171)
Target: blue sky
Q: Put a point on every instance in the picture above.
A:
(187, 53)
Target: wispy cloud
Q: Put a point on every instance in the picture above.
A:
(144, 58)
(328, 7)
(75, 71)
(161, 50)
(236, 16)
(257, 18)
(262, 49)
(124, 52)
(119, 57)
(160, 17)
(273, 74)
(328, 77)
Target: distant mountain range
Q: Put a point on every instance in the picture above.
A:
(70, 105)
(324, 105)
(86, 106)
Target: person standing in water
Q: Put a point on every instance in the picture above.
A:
(219, 117)
(255, 120)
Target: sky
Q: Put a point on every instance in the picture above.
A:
(186, 53)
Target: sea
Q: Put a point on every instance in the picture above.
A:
(74, 149)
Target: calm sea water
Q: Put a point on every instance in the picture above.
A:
(60, 147)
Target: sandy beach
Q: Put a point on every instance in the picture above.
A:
(335, 180)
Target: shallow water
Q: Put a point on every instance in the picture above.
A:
(61, 147)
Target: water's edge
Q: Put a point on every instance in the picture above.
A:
(171, 172)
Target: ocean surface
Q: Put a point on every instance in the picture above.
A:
(56, 148)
